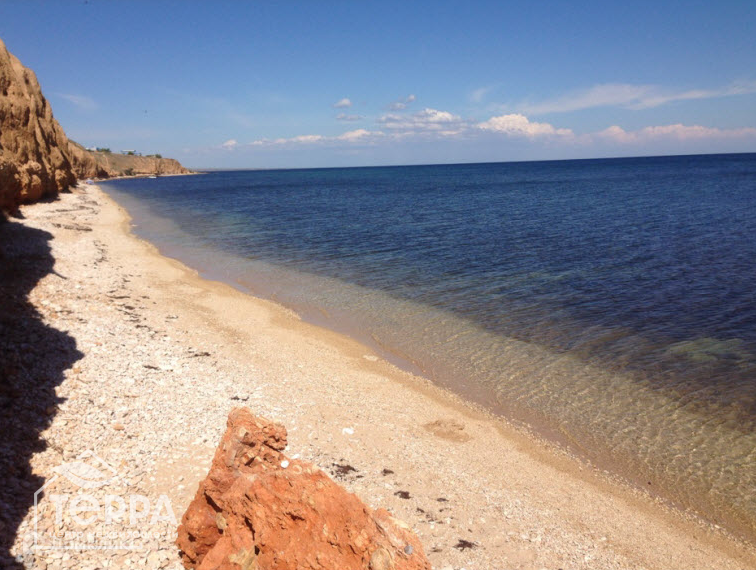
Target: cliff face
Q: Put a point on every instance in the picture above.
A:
(33, 146)
(36, 158)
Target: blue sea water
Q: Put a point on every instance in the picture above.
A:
(609, 304)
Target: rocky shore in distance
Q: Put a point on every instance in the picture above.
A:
(100, 165)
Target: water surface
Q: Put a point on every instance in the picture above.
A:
(608, 303)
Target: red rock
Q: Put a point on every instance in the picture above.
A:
(252, 513)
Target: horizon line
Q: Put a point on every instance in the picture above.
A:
(259, 168)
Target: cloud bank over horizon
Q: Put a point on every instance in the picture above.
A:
(430, 124)
(436, 134)
(514, 130)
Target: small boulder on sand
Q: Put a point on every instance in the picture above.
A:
(251, 512)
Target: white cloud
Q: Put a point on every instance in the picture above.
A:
(343, 103)
(478, 95)
(519, 125)
(615, 134)
(81, 101)
(425, 120)
(230, 144)
(402, 104)
(307, 139)
(677, 132)
(348, 118)
(358, 135)
(630, 97)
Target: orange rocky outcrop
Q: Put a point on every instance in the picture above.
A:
(257, 509)
(33, 147)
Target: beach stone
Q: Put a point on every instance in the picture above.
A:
(249, 512)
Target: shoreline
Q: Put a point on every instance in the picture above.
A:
(541, 387)
(520, 501)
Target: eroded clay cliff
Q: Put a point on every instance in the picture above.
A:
(33, 147)
(37, 160)
(257, 509)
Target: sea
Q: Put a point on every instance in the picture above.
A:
(608, 305)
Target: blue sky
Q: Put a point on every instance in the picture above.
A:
(299, 84)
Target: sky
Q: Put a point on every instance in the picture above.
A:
(277, 84)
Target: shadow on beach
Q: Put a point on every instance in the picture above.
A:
(33, 358)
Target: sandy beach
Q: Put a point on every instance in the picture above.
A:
(145, 360)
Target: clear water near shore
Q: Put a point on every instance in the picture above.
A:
(608, 303)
